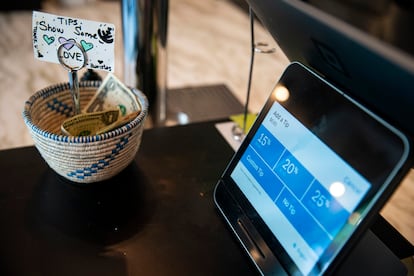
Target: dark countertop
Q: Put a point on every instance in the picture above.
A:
(157, 217)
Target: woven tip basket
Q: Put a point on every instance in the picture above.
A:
(83, 159)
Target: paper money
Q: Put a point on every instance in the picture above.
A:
(112, 106)
(111, 94)
(120, 122)
(90, 123)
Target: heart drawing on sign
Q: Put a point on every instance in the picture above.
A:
(67, 43)
(48, 39)
(86, 46)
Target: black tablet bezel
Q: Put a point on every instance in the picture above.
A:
(298, 78)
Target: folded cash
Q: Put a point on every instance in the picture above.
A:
(111, 94)
(90, 123)
(122, 120)
(112, 106)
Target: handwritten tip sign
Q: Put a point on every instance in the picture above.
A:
(76, 41)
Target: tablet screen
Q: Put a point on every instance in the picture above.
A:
(313, 166)
(305, 203)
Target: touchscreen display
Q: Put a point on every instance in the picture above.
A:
(302, 190)
(314, 170)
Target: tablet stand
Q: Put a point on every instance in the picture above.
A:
(398, 244)
(379, 252)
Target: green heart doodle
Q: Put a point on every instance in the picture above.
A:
(86, 46)
(48, 39)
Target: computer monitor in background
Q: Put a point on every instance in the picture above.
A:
(364, 47)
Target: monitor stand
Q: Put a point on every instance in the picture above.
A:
(379, 252)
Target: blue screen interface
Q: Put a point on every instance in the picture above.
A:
(301, 188)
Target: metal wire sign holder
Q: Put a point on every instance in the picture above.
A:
(237, 131)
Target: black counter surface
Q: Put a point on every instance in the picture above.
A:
(157, 217)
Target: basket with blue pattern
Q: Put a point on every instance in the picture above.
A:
(82, 159)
